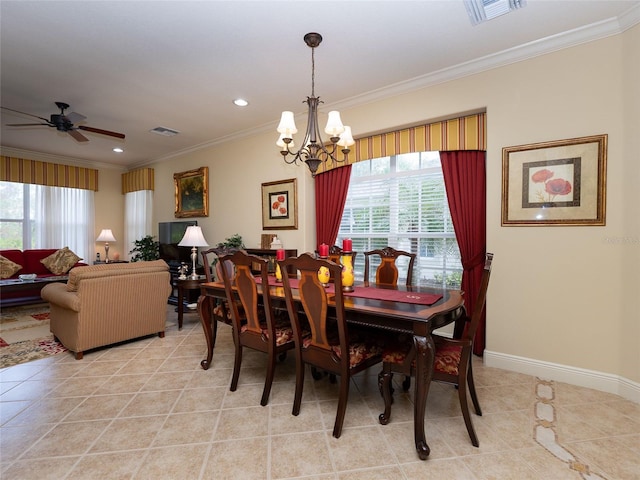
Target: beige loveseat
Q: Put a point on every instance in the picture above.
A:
(105, 304)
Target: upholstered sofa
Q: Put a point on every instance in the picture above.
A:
(110, 303)
(30, 261)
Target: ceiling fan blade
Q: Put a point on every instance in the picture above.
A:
(75, 117)
(103, 132)
(24, 113)
(26, 124)
(78, 136)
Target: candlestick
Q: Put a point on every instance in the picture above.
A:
(347, 245)
(347, 272)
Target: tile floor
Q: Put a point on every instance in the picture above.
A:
(146, 410)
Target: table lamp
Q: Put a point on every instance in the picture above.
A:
(193, 238)
(106, 236)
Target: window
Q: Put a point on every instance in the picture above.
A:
(17, 216)
(36, 216)
(400, 201)
(138, 214)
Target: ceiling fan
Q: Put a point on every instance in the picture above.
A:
(65, 123)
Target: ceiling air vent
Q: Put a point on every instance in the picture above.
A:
(482, 10)
(167, 132)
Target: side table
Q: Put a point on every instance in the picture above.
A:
(182, 285)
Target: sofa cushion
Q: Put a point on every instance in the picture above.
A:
(8, 268)
(61, 261)
(32, 261)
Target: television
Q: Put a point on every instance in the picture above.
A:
(169, 235)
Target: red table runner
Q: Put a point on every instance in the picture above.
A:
(374, 293)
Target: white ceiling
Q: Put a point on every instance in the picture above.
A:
(130, 66)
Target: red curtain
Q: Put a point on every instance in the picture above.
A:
(465, 181)
(331, 194)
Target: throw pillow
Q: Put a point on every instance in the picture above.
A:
(61, 261)
(7, 267)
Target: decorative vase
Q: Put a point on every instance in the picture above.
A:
(347, 272)
(323, 276)
(278, 273)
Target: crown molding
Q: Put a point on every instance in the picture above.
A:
(60, 159)
(554, 43)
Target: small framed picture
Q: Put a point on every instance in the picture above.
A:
(279, 205)
(561, 182)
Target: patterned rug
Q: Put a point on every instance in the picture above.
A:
(29, 350)
(24, 335)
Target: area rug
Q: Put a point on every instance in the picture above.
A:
(24, 335)
(18, 318)
(29, 350)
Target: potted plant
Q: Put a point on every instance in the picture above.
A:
(145, 249)
(234, 241)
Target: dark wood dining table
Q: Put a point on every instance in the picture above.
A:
(363, 308)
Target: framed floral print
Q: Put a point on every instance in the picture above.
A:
(280, 205)
(560, 182)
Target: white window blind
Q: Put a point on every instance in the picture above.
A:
(400, 201)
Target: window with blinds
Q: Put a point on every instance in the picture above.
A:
(400, 201)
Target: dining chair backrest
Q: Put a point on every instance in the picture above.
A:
(480, 300)
(387, 272)
(242, 290)
(335, 252)
(314, 301)
(211, 263)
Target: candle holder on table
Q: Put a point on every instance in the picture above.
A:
(323, 272)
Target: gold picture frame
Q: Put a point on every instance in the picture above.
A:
(192, 193)
(561, 182)
(280, 205)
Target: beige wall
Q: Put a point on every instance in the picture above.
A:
(109, 206)
(558, 295)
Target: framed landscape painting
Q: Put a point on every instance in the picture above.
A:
(280, 205)
(192, 193)
(561, 182)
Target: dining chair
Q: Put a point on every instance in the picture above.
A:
(213, 272)
(452, 360)
(331, 345)
(387, 272)
(255, 324)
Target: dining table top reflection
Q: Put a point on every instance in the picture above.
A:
(414, 310)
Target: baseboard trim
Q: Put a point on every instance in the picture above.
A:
(604, 382)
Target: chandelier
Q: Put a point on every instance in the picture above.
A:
(313, 151)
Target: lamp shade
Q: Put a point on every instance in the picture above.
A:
(193, 238)
(106, 236)
(346, 138)
(287, 125)
(334, 124)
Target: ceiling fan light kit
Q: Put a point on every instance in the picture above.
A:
(65, 123)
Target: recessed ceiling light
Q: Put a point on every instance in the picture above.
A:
(240, 102)
(118, 150)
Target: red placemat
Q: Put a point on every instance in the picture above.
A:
(395, 295)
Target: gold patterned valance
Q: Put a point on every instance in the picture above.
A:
(463, 133)
(141, 179)
(34, 172)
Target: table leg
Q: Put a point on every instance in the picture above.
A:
(210, 327)
(180, 306)
(425, 349)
